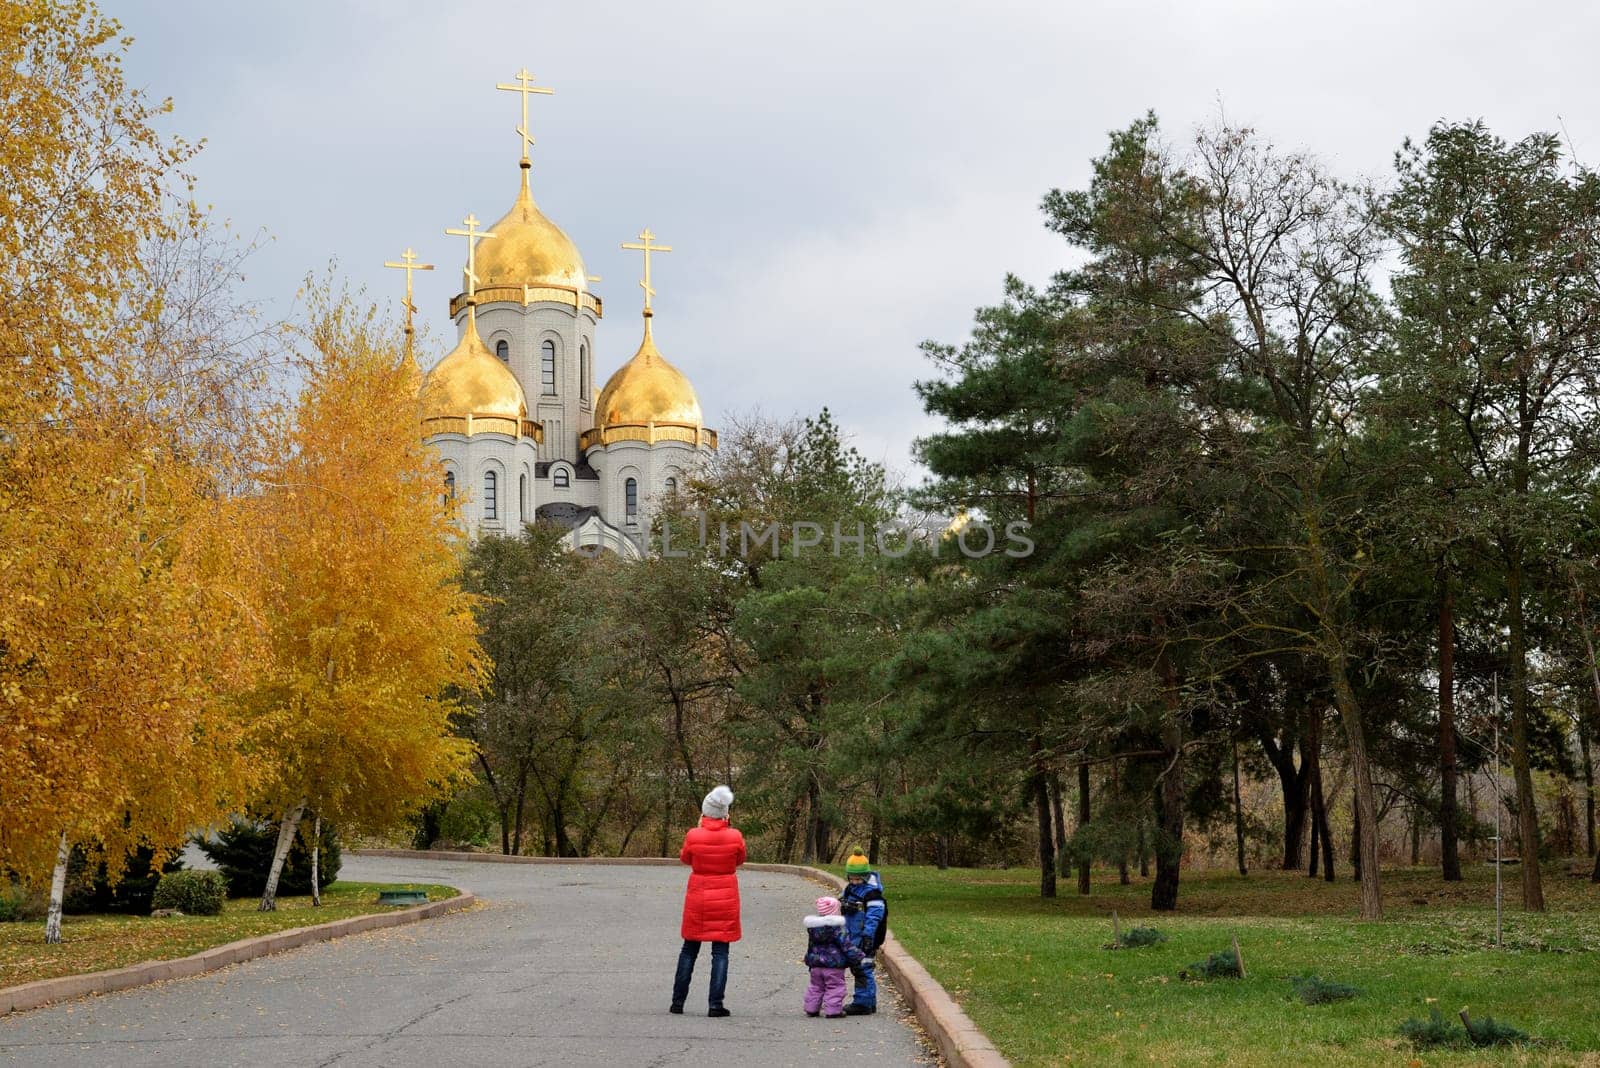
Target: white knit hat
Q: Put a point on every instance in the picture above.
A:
(716, 803)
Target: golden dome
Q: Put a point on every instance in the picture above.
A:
(471, 382)
(528, 249)
(647, 389)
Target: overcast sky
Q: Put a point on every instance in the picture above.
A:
(839, 181)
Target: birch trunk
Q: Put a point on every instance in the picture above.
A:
(58, 889)
(290, 824)
(316, 861)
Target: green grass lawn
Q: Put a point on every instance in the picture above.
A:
(94, 943)
(1033, 975)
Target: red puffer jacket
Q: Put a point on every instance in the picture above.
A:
(711, 904)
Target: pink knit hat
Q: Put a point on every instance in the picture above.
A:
(827, 906)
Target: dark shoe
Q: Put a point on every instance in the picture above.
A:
(813, 1014)
(676, 1010)
(718, 1013)
(855, 1008)
(837, 1015)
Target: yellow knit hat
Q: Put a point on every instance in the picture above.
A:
(857, 864)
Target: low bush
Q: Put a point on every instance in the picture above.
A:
(1439, 1032)
(1224, 965)
(1137, 938)
(193, 893)
(1314, 990)
(88, 889)
(13, 901)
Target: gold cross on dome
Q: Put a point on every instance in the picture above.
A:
(527, 89)
(473, 236)
(646, 238)
(410, 265)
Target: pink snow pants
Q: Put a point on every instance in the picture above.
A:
(826, 991)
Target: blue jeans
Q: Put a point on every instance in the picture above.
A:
(719, 972)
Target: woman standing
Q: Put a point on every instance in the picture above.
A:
(713, 851)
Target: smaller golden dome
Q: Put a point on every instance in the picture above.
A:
(472, 382)
(647, 389)
(528, 249)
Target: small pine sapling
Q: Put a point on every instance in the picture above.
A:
(1314, 990)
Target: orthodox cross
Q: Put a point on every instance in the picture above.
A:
(646, 238)
(473, 235)
(409, 266)
(527, 89)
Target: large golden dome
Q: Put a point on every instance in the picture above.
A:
(528, 249)
(471, 391)
(647, 389)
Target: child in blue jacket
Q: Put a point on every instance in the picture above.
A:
(866, 920)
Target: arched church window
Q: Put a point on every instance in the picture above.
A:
(547, 368)
(583, 371)
(562, 479)
(672, 485)
(449, 485)
(630, 490)
(522, 495)
(502, 349)
(491, 504)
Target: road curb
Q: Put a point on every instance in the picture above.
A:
(962, 1043)
(44, 991)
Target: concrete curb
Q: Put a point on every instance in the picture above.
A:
(961, 1042)
(44, 991)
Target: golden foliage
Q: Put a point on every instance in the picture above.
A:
(124, 620)
(369, 628)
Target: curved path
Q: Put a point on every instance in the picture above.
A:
(560, 965)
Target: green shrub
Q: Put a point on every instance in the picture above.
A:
(1222, 965)
(193, 893)
(1490, 1032)
(243, 853)
(13, 901)
(1314, 990)
(1137, 938)
(88, 888)
(1437, 1032)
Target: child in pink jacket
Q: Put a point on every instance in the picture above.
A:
(829, 952)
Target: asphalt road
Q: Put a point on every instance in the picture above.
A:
(560, 965)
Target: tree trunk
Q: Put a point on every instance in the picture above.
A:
(1588, 782)
(1122, 857)
(1083, 821)
(1416, 835)
(1316, 841)
(1169, 840)
(1449, 853)
(505, 832)
(1366, 801)
(58, 890)
(1144, 853)
(316, 861)
(1295, 783)
(516, 828)
(1058, 811)
(1238, 812)
(1041, 804)
(1355, 837)
(808, 853)
(286, 830)
(877, 821)
(1521, 764)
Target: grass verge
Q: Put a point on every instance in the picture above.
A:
(95, 943)
(1033, 974)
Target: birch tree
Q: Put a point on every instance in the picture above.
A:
(368, 625)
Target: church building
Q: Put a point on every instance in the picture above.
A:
(521, 431)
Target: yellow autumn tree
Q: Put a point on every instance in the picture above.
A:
(369, 628)
(124, 623)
